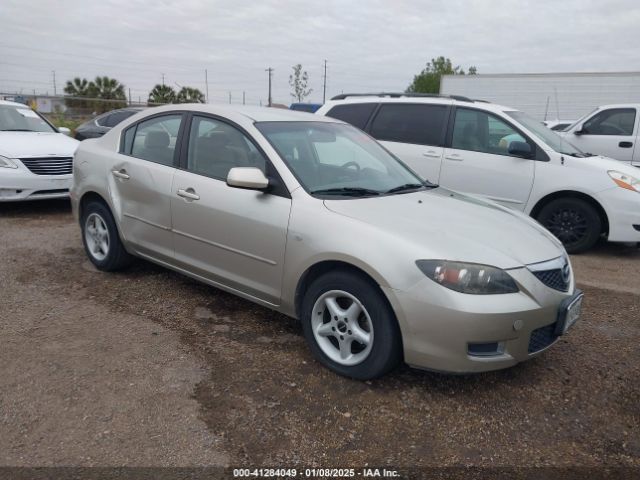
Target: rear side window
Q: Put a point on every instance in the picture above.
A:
(155, 139)
(115, 118)
(615, 121)
(356, 114)
(410, 123)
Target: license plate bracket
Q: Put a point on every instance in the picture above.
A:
(569, 312)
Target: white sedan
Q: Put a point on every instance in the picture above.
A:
(36, 159)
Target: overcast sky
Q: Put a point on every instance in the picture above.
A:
(369, 45)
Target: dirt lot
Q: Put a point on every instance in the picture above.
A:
(148, 367)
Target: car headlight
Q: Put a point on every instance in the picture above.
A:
(6, 163)
(468, 277)
(625, 181)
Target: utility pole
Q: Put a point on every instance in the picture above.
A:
(270, 70)
(324, 83)
(243, 97)
(229, 98)
(54, 82)
(206, 82)
(162, 79)
(129, 97)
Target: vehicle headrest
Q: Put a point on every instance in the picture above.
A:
(156, 139)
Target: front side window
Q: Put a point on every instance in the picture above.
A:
(419, 124)
(357, 114)
(480, 131)
(216, 147)
(615, 121)
(22, 119)
(337, 159)
(155, 139)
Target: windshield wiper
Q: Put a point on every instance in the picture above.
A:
(351, 191)
(17, 130)
(406, 187)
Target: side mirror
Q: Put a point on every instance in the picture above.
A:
(249, 178)
(579, 131)
(64, 131)
(520, 149)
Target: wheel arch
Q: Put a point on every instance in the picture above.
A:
(573, 194)
(320, 268)
(88, 197)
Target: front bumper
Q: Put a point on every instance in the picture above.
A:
(18, 184)
(439, 325)
(623, 212)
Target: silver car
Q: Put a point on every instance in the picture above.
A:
(311, 217)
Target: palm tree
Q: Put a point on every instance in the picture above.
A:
(190, 95)
(162, 94)
(78, 87)
(106, 88)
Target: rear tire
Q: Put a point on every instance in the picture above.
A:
(573, 221)
(101, 240)
(350, 327)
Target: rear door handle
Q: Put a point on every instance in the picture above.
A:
(431, 154)
(455, 157)
(189, 194)
(625, 144)
(122, 173)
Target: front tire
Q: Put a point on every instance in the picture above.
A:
(573, 221)
(350, 327)
(101, 240)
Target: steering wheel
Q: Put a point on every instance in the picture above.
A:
(352, 164)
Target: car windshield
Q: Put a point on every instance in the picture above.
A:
(548, 136)
(22, 119)
(334, 159)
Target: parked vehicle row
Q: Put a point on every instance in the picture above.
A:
(379, 265)
(505, 156)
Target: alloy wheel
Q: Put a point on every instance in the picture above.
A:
(342, 327)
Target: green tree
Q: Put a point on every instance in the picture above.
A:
(189, 95)
(428, 80)
(162, 94)
(105, 88)
(78, 87)
(298, 81)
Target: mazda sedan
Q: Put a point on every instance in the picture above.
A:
(311, 217)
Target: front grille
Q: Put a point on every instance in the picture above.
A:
(49, 165)
(542, 338)
(553, 279)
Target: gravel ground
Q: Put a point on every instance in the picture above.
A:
(148, 367)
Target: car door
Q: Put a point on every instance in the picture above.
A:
(478, 159)
(227, 235)
(140, 184)
(414, 132)
(611, 132)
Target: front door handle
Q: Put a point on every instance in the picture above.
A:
(625, 144)
(122, 173)
(431, 154)
(455, 157)
(189, 194)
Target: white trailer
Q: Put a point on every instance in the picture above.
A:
(548, 96)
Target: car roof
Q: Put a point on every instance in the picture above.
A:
(256, 114)
(13, 104)
(432, 99)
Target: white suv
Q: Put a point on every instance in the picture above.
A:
(504, 155)
(610, 130)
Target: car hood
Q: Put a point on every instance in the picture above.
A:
(604, 164)
(36, 144)
(452, 226)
